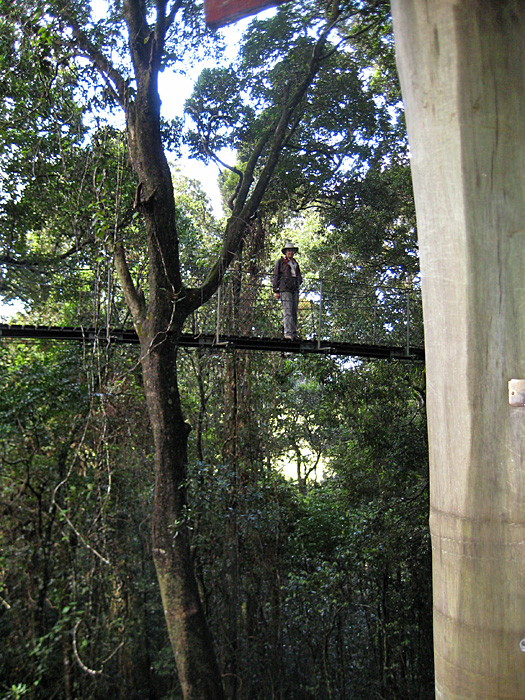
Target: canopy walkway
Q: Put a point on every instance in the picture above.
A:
(333, 318)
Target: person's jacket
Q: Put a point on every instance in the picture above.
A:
(282, 280)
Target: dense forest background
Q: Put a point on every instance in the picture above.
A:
(315, 580)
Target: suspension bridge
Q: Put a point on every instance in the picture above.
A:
(334, 318)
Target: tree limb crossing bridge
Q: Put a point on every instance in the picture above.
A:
(363, 321)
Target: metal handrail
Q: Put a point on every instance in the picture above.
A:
(329, 311)
(359, 313)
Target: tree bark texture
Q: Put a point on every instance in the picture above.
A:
(188, 630)
(158, 324)
(462, 69)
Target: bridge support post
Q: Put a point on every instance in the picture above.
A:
(319, 330)
(462, 69)
(408, 322)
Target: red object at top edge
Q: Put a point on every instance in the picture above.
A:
(222, 12)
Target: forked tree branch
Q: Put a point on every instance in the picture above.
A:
(248, 199)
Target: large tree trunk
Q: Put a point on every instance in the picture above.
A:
(190, 638)
(159, 321)
(158, 324)
(462, 68)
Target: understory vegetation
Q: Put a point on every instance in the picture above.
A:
(313, 589)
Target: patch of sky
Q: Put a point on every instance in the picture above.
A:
(10, 309)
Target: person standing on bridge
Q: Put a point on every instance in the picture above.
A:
(286, 281)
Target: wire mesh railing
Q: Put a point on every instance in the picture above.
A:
(330, 310)
(327, 311)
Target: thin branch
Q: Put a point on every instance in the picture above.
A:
(133, 298)
(106, 69)
(39, 265)
(80, 536)
(91, 671)
(171, 16)
(76, 248)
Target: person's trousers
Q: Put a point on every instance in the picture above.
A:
(290, 302)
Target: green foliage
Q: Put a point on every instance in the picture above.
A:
(78, 586)
(372, 228)
(197, 228)
(322, 590)
(58, 239)
(217, 109)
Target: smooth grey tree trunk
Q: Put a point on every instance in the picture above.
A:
(462, 69)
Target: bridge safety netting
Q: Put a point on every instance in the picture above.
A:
(333, 310)
(328, 311)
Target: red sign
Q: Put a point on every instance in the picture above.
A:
(221, 12)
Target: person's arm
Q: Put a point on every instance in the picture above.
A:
(299, 276)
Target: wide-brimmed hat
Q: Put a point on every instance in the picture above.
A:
(288, 245)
